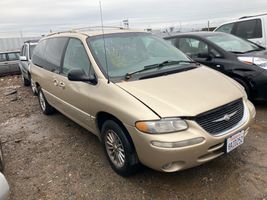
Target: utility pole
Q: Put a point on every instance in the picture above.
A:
(208, 25)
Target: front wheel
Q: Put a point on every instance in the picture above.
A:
(119, 149)
(46, 108)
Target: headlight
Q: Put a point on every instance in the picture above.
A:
(261, 62)
(162, 126)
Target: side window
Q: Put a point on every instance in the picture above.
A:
(13, 56)
(76, 58)
(53, 53)
(196, 48)
(22, 50)
(38, 54)
(31, 48)
(25, 50)
(249, 29)
(170, 41)
(3, 57)
(226, 28)
(192, 47)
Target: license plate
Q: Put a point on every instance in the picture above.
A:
(234, 141)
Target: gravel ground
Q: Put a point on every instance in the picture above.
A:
(51, 157)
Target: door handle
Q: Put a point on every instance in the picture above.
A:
(62, 85)
(55, 82)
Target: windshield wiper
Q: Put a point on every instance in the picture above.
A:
(259, 49)
(237, 52)
(158, 66)
(243, 52)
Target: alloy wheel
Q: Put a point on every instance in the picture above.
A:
(42, 100)
(115, 149)
(33, 86)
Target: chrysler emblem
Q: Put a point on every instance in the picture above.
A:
(226, 117)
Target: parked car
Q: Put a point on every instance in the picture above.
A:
(4, 187)
(9, 63)
(253, 28)
(240, 59)
(146, 101)
(25, 59)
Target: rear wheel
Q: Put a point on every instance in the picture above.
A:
(119, 149)
(46, 108)
(34, 87)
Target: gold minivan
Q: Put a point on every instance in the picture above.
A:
(146, 101)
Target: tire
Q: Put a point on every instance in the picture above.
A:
(46, 108)
(246, 87)
(25, 81)
(114, 138)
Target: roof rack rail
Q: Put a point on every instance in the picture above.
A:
(29, 41)
(89, 28)
(98, 27)
(55, 33)
(244, 17)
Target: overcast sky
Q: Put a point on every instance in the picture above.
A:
(38, 17)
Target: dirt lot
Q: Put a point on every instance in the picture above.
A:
(51, 157)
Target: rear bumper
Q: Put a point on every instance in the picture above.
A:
(175, 159)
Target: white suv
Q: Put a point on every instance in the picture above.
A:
(253, 28)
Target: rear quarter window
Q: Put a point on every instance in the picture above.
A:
(53, 53)
(2, 57)
(248, 29)
(38, 54)
(13, 56)
(48, 53)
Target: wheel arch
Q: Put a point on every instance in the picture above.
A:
(248, 83)
(103, 116)
(37, 84)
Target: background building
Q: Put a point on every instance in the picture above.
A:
(10, 44)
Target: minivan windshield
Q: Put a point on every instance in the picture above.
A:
(131, 52)
(232, 43)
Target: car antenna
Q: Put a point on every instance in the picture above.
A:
(102, 26)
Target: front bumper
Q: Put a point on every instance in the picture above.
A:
(175, 159)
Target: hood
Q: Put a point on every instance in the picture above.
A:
(261, 54)
(187, 93)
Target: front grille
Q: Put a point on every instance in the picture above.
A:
(222, 118)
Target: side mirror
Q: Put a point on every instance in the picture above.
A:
(204, 55)
(79, 75)
(23, 58)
